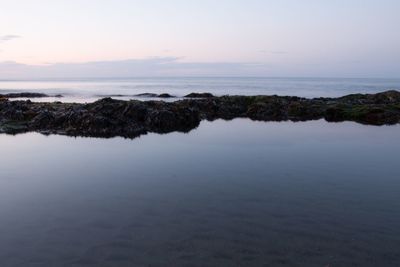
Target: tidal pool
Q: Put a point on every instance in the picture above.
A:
(237, 193)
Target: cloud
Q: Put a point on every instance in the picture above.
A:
(179, 67)
(157, 66)
(5, 38)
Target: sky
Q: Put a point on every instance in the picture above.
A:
(307, 38)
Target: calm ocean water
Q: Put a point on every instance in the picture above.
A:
(236, 193)
(87, 90)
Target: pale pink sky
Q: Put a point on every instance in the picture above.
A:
(285, 37)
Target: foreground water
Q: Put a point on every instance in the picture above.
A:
(88, 90)
(237, 193)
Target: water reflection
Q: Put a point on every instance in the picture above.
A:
(237, 193)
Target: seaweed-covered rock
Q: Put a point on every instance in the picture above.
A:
(109, 117)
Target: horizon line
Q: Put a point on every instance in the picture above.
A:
(197, 77)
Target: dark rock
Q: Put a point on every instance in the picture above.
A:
(114, 95)
(165, 96)
(109, 117)
(151, 95)
(334, 114)
(28, 95)
(42, 119)
(147, 95)
(199, 95)
(24, 95)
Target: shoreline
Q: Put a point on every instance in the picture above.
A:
(110, 118)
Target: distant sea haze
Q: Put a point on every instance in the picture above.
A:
(87, 90)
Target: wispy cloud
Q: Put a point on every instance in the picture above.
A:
(157, 66)
(174, 67)
(8, 37)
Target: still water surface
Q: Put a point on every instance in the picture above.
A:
(236, 193)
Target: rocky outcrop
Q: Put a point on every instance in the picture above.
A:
(143, 95)
(109, 117)
(151, 95)
(199, 95)
(165, 96)
(27, 95)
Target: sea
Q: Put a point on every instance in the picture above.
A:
(89, 90)
(228, 193)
